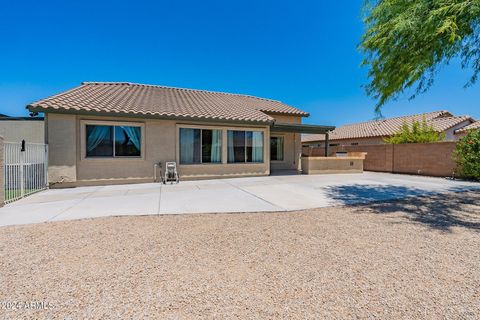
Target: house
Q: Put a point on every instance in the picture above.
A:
(104, 133)
(374, 132)
(460, 133)
(16, 129)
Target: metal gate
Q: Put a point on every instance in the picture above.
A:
(25, 169)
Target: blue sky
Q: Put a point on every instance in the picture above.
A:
(303, 53)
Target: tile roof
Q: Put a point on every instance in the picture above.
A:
(151, 100)
(440, 120)
(475, 125)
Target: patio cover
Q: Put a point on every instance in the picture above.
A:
(304, 128)
(300, 128)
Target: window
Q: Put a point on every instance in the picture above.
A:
(113, 141)
(200, 146)
(354, 143)
(245, 146)
(276, 148)
(99, 141)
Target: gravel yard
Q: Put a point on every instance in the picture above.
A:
(407, 259)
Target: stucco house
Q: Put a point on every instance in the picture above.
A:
(374, 132)
(104, 133)
(460, 133)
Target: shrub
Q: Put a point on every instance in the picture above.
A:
(418, 132)
(467, 155)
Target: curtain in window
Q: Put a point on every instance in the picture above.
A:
(276, 148)
(231, 149)
(216, 151)
(97, 135)
(134, 134)
(257, 146)
(187, 140)
(280, 148)
(190, 147)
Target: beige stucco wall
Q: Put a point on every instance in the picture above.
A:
(280, 118)
(62, 144)
(31, 131)
(68, 164)
(318, 165)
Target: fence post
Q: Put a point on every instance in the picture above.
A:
(22, 169)
(2, 173)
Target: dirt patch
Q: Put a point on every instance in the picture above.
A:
(416, 258)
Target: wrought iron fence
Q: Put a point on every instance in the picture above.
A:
(25, 166)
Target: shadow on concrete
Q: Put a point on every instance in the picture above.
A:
(436, 210)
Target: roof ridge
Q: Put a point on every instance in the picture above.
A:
(453, 117)
(397, 117)
(175, 88)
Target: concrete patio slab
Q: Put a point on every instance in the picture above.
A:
(219, 198)
(255, 194)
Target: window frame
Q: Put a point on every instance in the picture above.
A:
(201, 145)
(224, 129)
(283, 147)
(245, 146)
(113, 124)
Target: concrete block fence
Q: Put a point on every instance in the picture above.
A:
(430, 159)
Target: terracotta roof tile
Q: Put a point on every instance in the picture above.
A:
(130, 98)
(440, 120)
(475, 125)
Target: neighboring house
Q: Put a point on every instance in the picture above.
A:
(374, 132)
(102, 133)
(16, 129)
(463, 131)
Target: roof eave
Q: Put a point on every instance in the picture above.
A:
(33, 108)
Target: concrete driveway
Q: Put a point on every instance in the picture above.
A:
(273, 193)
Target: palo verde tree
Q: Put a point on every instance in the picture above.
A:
(407, 40)
(418, 132)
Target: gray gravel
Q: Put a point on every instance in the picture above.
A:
(412, 259)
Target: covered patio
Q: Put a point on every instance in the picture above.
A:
(290, 146)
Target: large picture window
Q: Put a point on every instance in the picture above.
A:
(276, 148)
(245, 146)
(113, 141)
(200, 146)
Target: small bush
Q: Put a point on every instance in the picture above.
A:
(467, 155)
(418, 132)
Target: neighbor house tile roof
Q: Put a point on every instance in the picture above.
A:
(161, 101)
(440, 120)
(475, 125)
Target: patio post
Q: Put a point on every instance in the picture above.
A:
(327, 142)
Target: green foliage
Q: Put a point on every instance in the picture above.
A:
(407, 40)
(418, 132)
(467, 155)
